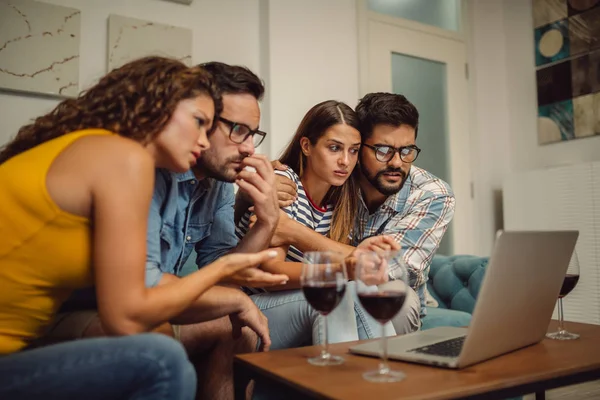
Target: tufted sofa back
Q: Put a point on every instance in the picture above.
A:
(455, 281)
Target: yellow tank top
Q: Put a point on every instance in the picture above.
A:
(45, 252)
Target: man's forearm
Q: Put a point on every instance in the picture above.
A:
(306, 239)
(215, 303)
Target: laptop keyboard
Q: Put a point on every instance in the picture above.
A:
(447, 348)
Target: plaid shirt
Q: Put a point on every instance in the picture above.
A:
(417, 217)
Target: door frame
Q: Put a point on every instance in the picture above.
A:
(464, 238)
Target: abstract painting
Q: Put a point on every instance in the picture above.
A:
(552, 42)
(584, 32)
(567, 59)
(557, 121)
(130, 38)
(548, 11)
(188, 2)
(39, 48)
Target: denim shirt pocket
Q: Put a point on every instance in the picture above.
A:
(197, 232)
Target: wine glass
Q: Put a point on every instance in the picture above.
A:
(323, 282)
(571, 279)
(381, 303)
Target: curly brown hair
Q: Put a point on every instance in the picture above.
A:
(135, 101)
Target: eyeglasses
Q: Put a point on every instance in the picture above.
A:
(408, 154)
(238, 133)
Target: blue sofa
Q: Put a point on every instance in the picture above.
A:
(454, 284)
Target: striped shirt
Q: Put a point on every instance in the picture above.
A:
(302, 210)
(417, 217)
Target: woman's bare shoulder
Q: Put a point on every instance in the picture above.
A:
(111, 152)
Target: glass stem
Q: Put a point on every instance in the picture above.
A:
(383, 365)
(561, 321)
(325, 351)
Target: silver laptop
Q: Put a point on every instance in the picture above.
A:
(513, 309)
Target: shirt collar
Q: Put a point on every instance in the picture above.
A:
(186, 176)
(189, 176)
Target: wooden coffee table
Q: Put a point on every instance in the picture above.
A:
(535, 369)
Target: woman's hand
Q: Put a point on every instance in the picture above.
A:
(372, 274)
(379, 243)
(256, 278)
(236, 262)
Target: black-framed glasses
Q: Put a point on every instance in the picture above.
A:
(408, 154)
(238, 133)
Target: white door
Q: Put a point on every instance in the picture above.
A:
(428, 66)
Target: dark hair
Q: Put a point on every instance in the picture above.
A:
(385, 108)
(136, 101)
(313, 126)
(235, 79)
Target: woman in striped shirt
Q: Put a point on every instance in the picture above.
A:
(320, 159)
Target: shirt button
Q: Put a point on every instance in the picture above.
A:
(189, 238)
(192, 182)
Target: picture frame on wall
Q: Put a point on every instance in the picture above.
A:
(39, 48)
(132, 38)
(567, 59)
(188, 2)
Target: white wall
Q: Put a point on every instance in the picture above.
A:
(224, 30)
(491, 157)
(505, 108)
(313, 57)
(307, 52)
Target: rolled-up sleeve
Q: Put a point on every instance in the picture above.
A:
(153, 254)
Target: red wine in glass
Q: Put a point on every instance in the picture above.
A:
(372, 269)
(568, 284)
(324, 297)
(382, 306)
(323, 281)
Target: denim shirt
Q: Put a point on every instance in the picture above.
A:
(185, 215)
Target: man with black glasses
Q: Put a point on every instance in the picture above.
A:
(397, 199)
(191, 216)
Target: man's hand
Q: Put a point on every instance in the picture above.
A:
(287, 192)
(284, 226)
(257, 278)
(254, 319)
(258, 182)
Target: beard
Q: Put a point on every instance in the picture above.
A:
(221, 171)
(377, 181)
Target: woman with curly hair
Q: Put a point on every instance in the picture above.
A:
(75, 190)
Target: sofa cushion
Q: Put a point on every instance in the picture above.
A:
(455, 281)
(444, 317)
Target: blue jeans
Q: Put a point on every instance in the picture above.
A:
(294, 323)
(148, 367)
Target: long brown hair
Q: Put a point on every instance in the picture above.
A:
(135, 101)
(313, 126)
